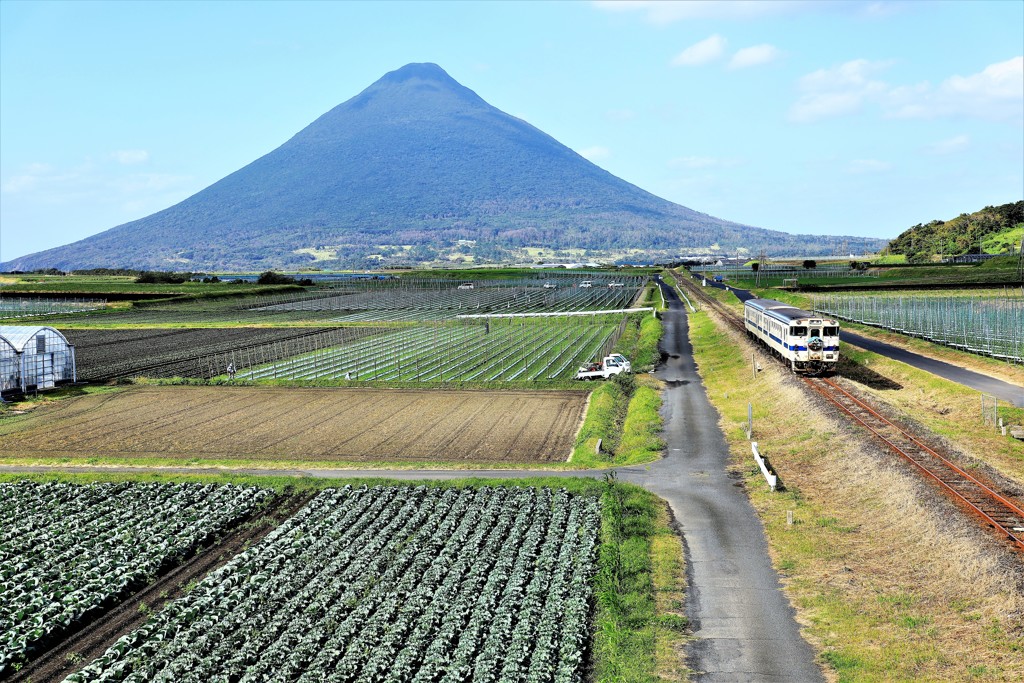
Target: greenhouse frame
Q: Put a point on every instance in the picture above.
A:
(34, 357)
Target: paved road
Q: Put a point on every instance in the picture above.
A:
(1005, 391)
(745, 628)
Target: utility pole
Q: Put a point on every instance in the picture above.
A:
(760, 268)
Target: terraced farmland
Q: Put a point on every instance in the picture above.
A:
(67, 552)
(383, 584)
(484, 351)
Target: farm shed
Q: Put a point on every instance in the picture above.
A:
(34, 357)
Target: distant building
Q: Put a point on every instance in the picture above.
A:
(34, 357)
(969, 258)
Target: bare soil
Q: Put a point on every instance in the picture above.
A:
(321, 424)
(80, 647)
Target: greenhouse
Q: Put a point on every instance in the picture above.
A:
(34, 357)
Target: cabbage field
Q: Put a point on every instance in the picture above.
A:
(68, 552)
(386, 584)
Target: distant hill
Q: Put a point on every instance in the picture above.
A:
(414, 168)
(993, 230)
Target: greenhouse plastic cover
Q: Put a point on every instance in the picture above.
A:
(19, 336)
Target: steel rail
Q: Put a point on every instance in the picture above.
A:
(987, 494)
(1005, 505)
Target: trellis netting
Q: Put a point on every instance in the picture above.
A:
(989, 325)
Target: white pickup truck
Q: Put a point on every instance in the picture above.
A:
(611, 365)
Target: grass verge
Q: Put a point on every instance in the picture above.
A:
(622, 425)
(889, 581)
(639, 341)
(639, 630)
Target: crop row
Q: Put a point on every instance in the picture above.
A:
(395, 303)
(108, 354)
(500, 349)
(68, 551)
(992, 326)
(396, 300)
(386, 584)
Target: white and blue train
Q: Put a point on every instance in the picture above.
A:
(807, 340)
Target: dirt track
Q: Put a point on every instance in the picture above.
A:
(359, 425)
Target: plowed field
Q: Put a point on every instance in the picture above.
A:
(277, 423)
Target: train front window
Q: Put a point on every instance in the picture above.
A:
(815, 332)
(831, 331)
(798, 331)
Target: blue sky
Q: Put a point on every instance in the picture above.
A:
(857, 118)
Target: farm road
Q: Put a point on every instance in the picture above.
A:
(745, 628)
(1004, 391)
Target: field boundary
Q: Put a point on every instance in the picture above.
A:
(554, 314)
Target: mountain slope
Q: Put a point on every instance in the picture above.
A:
(993, 230)
(415, 159)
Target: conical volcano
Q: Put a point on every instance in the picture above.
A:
(414, 163)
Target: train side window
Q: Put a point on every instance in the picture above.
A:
(798, 331)
(831, 331)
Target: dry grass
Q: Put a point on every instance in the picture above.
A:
(890, 581)
(950, 411)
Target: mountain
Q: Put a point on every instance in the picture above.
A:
(993, 230)
(413, 164)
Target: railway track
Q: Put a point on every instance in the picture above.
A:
(999, 512)
(1004, 515)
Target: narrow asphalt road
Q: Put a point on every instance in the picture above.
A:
(745, 629)
(1005, 391)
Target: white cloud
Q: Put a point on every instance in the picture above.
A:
(594, 153)
(707, 50)
(129, 157)
(868, 166)
(949, 146)
(995, 93)
(668, 11)
(883, 10)
(753, 56)
(838, 90)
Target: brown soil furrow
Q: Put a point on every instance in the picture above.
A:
(80, 647)
(309, 423)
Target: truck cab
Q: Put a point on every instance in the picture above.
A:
(611, 365)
